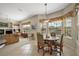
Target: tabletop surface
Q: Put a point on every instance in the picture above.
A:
(50, 38)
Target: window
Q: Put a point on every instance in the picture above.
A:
(26, 28)
(55, 26)
(68, 26)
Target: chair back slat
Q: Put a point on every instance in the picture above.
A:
(61, 42)
(40, 38)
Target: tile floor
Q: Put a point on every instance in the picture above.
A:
(27, 47)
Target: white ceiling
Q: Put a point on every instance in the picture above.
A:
(20, 11)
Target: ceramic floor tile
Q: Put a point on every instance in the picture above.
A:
(26, 47)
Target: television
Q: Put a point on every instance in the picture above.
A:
(1, 31)
(8, 31)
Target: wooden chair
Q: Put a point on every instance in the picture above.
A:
(24, 35)
(59, 46)
(42, 45)
(53, 34)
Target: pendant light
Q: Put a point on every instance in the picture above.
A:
(46, 18)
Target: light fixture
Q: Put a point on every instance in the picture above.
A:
(46, 21)
(45, 10)
(25, 26)
(46, 18)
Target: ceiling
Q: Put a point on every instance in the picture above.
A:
(20, 11)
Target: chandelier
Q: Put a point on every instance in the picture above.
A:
(45, 11)
(46, 20)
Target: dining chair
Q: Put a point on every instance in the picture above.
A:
(53, 34)
(59, 46)
(42, 45)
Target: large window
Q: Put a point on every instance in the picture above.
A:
(26, 28)
(43, 27)
(55, 26)
(68, 26)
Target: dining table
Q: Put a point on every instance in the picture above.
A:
(51, 40)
